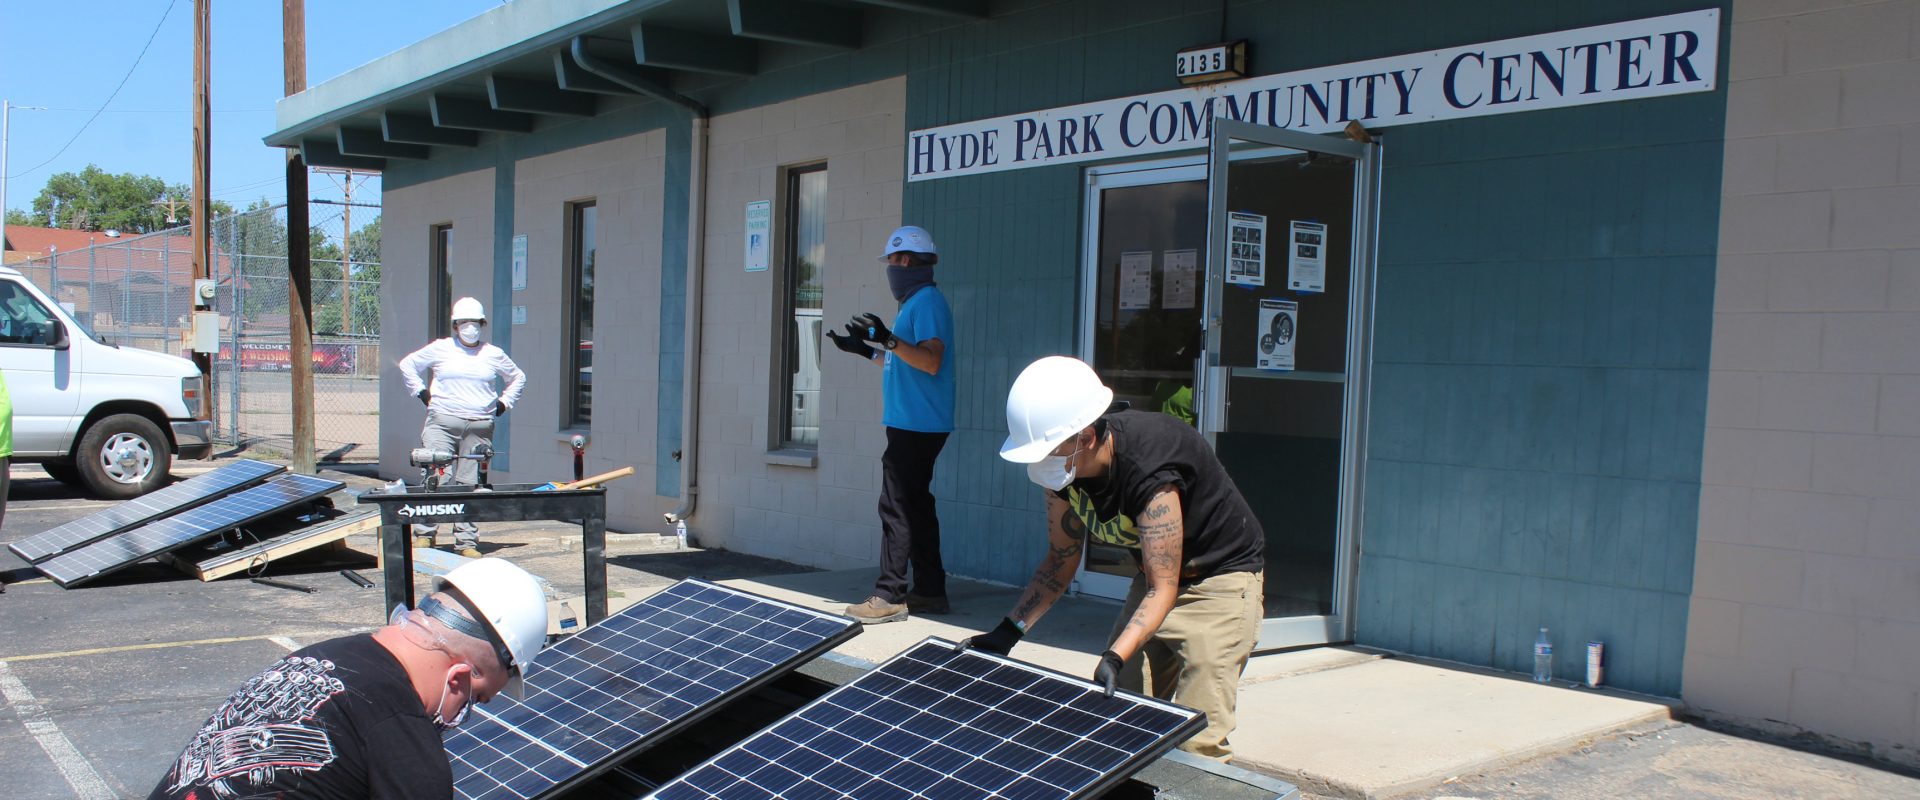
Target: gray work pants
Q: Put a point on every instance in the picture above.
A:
(457, 436)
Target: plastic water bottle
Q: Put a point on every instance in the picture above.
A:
(680, 533)
(1543, 658)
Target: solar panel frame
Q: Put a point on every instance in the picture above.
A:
(129, 547)
(1003, 740)
(190, 493)
(677, 683)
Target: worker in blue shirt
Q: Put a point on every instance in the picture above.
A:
(917, 393)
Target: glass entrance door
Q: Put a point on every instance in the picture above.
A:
(1289, 287)
(1146, 236)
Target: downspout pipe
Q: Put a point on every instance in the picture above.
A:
(696, 264)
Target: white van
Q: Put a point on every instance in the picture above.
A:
(93, 414)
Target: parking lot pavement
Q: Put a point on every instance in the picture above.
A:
(101, 686)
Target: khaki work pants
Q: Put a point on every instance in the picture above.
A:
(1196, 657)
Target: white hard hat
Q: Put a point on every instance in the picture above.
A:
(509, 601)
(468, 308)
(1053, 399)
(910, 239)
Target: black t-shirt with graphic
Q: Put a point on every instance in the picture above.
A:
(1151, 450)
(339, 719)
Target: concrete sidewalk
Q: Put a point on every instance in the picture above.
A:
(1333, 720)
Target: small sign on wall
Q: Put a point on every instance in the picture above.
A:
(519, 315)
(519, 262)
(759, 231)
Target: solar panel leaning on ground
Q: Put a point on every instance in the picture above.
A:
(630, 680)
(933, 722)
(143, 509)
(124, 549)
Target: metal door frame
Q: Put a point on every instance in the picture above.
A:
(1210, 387)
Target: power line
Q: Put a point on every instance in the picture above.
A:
(116, 92)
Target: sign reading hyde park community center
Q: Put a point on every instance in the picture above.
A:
(1668, 55)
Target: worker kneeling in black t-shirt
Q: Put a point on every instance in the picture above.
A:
(361, 716)
(1149, 483)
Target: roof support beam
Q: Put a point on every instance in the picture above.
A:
(467, 113)
(965, 9)
(674, 48)
(638, 79)
(324, 153)
(416, 129)
(795, 22)
(371, 144)
(536, 97)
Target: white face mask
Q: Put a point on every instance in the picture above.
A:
(1053, 473)
(469, 332)
(440, 721)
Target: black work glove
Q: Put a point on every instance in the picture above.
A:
(850, 343)
(870, 328)
(499, 408)
(1109, 670)
(424, 396)
(1000, 640)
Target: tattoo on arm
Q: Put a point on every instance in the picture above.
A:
(1056, 570)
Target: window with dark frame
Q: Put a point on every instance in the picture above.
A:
(582, 220)
(804, 253)
(440, 278)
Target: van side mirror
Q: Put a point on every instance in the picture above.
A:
(58, 334)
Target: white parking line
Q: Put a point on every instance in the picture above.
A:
(285, 641)
(80, 775)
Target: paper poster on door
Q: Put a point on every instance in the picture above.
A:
(1307, 257)
(1246, 249)
(1182, 267)
(1279, 319)
(1136, 280)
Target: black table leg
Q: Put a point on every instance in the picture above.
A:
(396, 552)
(593, 546)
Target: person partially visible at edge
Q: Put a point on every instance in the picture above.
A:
(917, 393)
(1149, 483)
(6, 451)
(461, 403)
(362, 716)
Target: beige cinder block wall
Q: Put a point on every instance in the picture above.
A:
(623, 177)
(1806, 609)
(406, 246)
(779, 505)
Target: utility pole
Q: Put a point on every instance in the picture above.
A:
(202, 184)
(293, 36)
(346, 259)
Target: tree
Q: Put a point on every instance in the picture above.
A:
(328, 285)
(96, 200)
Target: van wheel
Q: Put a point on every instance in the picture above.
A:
(123, 456)
(64, 473)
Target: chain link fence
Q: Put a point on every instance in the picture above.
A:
(137, 291)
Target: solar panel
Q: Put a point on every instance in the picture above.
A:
(143, 509)
(152, 539)
(630, 680)
(935, 723)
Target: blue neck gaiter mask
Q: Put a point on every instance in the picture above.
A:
(904, 281)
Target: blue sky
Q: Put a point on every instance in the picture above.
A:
(67, 55)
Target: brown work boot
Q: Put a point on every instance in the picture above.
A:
(877, 610)
(922, 604)
(425, 542)
(470, 552)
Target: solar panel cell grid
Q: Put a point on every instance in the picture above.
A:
(934, 723)
(636, 675)
(144, 508)
(184, 528)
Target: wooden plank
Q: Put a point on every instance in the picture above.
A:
(362, 520)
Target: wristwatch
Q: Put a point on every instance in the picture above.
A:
(892, 342)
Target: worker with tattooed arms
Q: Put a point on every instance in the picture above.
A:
(1149, 483)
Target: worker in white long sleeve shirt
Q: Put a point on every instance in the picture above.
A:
(461, 402)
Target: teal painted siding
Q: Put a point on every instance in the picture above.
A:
(1540, 381)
